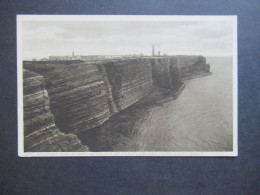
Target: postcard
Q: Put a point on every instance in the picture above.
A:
(121, 85)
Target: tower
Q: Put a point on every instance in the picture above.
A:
(73, 55)
(153, 50)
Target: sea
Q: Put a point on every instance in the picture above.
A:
(201, 119)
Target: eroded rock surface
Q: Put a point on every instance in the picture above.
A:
(192, 65)
(79, 99)
(165, 72)
(131, 80)
(40, 131)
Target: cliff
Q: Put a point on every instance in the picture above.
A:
(131, 80)
(40, 132)
(192, 65)
(78, 95)
(83, 95)
(165, 72)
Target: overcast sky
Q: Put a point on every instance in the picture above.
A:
(46, 38)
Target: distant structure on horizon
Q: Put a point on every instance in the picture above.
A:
(159, 52)
(82, 57)
(72, 57)
(97, 57)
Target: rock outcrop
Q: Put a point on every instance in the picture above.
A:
(40, 131)
(131, 80)
(79, 99)
(165, 72)
(192, 65)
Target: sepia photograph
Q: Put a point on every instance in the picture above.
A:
(93, 85)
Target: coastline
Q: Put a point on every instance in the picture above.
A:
(108, 135)
(196, 76)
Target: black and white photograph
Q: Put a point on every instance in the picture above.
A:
(127, 85)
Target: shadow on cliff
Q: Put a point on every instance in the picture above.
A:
(117, 131)
(121, 128)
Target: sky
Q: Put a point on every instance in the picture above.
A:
(49, 38)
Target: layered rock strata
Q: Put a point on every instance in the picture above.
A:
(192, 65)
(40, 131)
(83, 95)
(79, 98)
(131, 80)
(165, 72)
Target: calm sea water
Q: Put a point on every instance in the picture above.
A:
(199, 120)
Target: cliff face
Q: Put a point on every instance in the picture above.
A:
(79, 99)
(165, 72)
(108, 87)
(192, 65)
(83, 95)
(131, 80)
(40, 131)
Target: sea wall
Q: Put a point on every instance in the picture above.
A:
(83, 95)
(40, 131)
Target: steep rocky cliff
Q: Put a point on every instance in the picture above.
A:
(83, 95)
(78, 95)
(40, 131)
(165, 72)
(131, 80)
(192, 65)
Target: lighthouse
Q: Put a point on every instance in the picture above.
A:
(153, 50)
